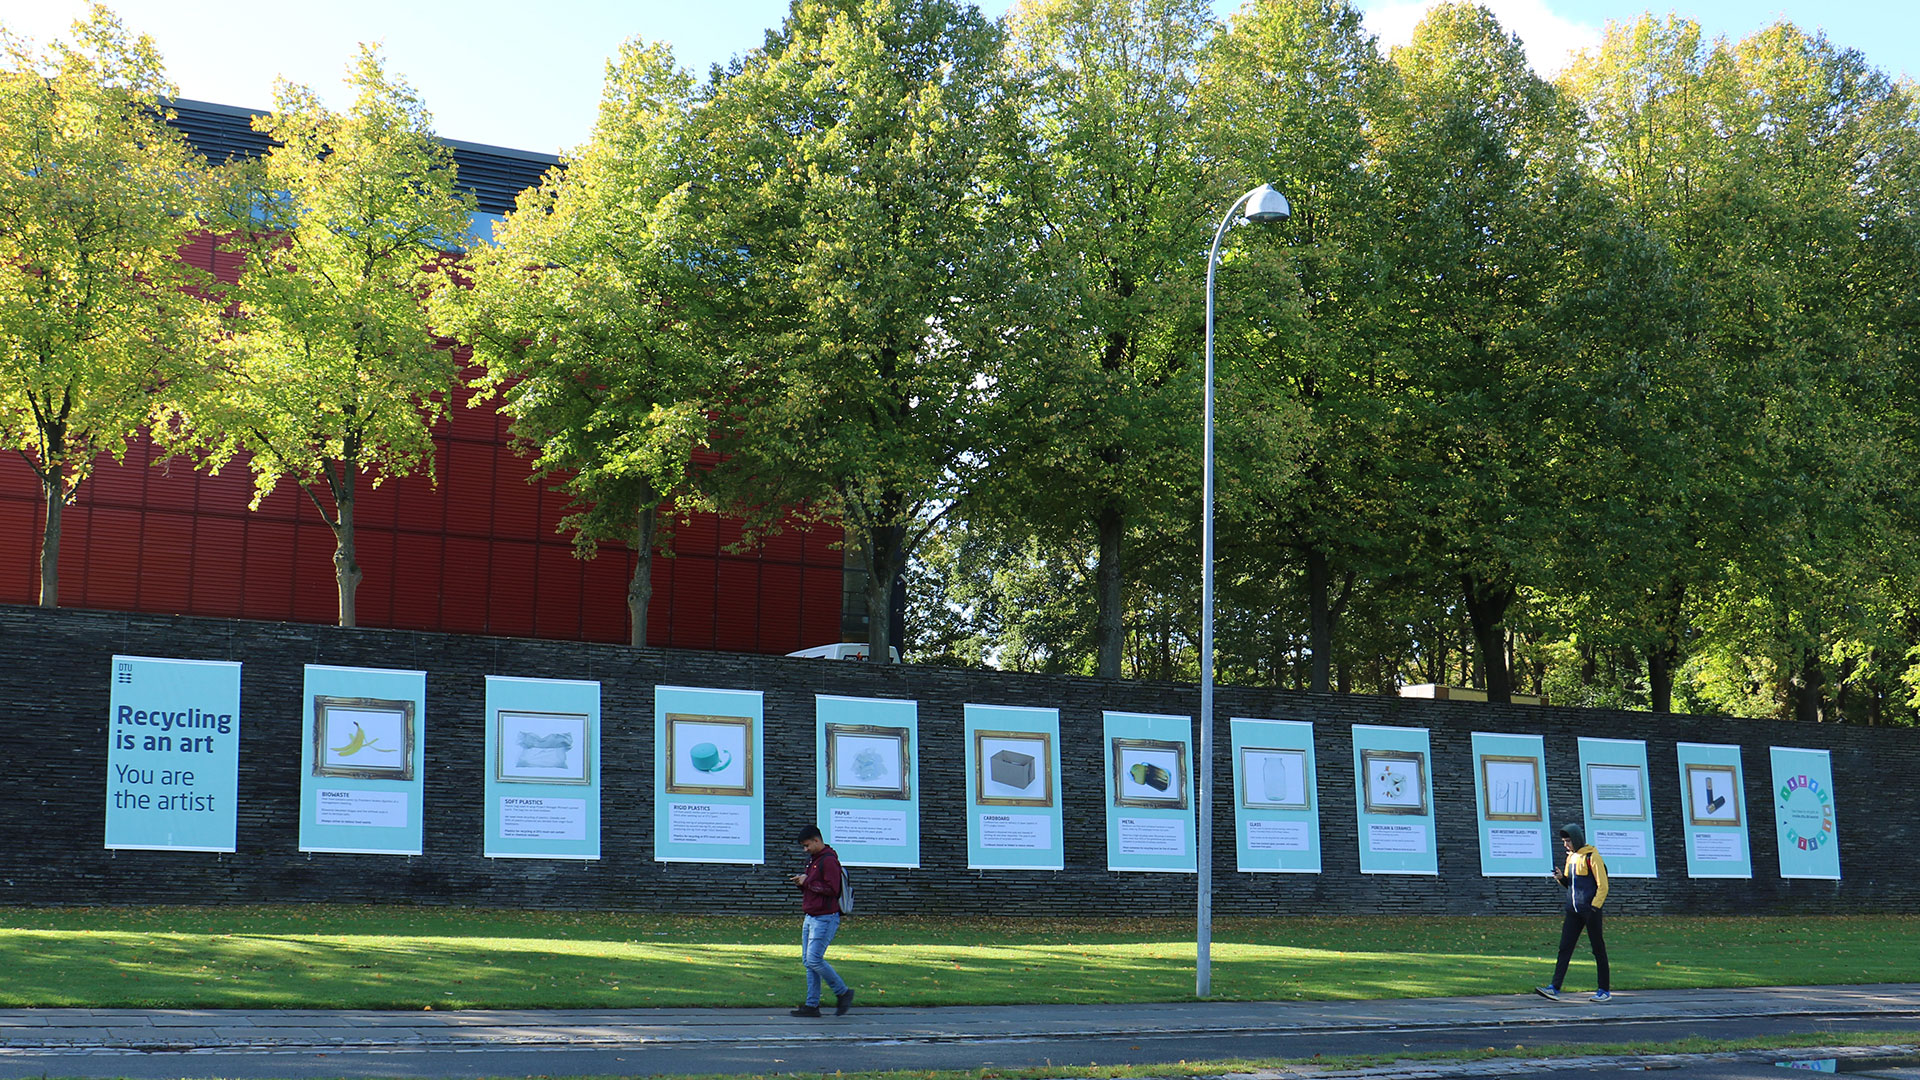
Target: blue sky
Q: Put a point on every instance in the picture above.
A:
(527, 75)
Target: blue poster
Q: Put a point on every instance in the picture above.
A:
(1013, 788)
(1615, 803)
(1393, 799)
(1276, 810)
(1149, 792)
(1517, 835)
(709, 777)
(1803, 813)
(543, 769)
(173, 754)
(1714, 811)
(867, 779)
(362, 754)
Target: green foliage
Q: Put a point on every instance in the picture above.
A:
(333, 369)
(99, 318)
(583, 314)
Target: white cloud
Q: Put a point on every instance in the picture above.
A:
(1551, 40)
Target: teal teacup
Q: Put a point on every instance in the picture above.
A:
(708, 757)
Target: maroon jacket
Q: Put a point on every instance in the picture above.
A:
(820, 892)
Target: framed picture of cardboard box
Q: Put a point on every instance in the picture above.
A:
(1274, 779)
(540, 748)
(1013, 768)
(866, 761)
(363, 738)
(1396, 781)
(1150, 773)
(1712, 797)
(709, 755)
(1616, 792)
(1510, 787)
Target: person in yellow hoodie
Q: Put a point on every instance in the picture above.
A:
(1585, 878)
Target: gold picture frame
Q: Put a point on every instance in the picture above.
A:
(1394, 781)
(1150, 773)
(1002, 757)
(1700, 795)
(868, 761)
(1510, 786)
(377, 725)
(708, 754)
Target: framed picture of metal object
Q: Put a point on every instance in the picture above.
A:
(709, 755)
(1274, 779)
(540, 748)
(1510, 787)
(1396, 781)
(865, 761)
(1013, 768)
(1616, 792)
(1150, 773)
(365, 738)
(1712, 797)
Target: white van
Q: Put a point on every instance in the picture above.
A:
(846, 650)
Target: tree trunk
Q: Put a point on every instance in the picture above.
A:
(346, 565)
(886, 557)
(50, 541)
(640, 586)
(1660, 663)
(1320, 621)
(1109, 622)
(1487, 603)
(1807, 688)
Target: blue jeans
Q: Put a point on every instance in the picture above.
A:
(816, 933)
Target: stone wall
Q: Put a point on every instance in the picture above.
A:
(54, 672)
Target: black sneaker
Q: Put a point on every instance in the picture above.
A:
(805, 1010)
(842, 1003)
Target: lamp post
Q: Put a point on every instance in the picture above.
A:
(1262, 204)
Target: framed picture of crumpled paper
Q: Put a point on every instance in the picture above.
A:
(866, 761)
(541, 748)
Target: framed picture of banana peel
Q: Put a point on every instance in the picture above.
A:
(541, 748)
(364, 738)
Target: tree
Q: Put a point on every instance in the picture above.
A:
(1120, 200)
(334, 370)
(857, 268)
(581, 313)
(99, 317)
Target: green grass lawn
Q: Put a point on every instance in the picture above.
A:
(412, 958)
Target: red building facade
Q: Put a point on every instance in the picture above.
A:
(478, 552)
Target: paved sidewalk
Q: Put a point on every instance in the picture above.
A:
(256, 1031)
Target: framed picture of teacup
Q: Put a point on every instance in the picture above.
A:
(865, 761)
(1012, 768)
(1396, 781)
(1150, 773)
(709, 755)
(540, 748)
(365, 738)
(1273, 779)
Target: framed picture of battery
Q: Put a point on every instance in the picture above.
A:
(1013, 768)
(866, 761)
(1510, 787)
(1712, 797)
(1150, 773)
(363, 738)
(1274, 779)
(1396, 781)
(709, 755)
(540, 748)
(1616, 792)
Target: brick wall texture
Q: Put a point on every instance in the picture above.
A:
(55, 667)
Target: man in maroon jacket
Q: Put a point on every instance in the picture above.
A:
(820, 910)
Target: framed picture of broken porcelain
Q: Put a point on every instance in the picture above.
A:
(541, 747)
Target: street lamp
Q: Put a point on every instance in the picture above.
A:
(1262, 204)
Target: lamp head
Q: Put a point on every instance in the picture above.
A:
(1266, 204)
